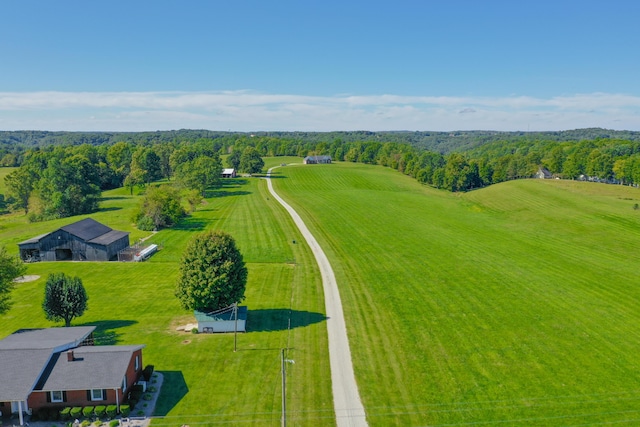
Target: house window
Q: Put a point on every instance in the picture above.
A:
(97, 394)
(57, 396)
(137, 363)
(124, 383)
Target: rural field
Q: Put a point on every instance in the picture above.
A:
(517, 304)
(206, 382)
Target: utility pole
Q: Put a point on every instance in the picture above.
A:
(284, 392)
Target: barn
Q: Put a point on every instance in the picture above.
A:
(317, 160)
(228, 173)
(85, 240)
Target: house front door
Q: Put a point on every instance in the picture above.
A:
(16, 406)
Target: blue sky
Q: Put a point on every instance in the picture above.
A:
(319, 65)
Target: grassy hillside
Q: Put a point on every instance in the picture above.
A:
(207, 383)
(516, 304)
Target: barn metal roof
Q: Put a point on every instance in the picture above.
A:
(109, 237)
(86, 229)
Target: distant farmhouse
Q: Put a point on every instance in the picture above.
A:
(317, 160)
(543, 173)
(85, 240)
(228, 173)
(60, 367)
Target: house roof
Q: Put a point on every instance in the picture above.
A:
(34, 239)
(86, 229)
(93, 367)
(57, 339)
(25, 354)
(228, 171)
(20, 372)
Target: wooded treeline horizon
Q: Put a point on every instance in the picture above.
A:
(63, 173)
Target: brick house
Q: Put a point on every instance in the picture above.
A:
(59, 367)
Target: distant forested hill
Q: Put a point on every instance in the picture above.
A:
(441, 142)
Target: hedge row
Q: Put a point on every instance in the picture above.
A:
(77, 412)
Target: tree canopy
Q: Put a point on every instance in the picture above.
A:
(212, 274)
(160, 207)
(64, 298)
(10, 268)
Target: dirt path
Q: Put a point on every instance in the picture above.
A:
(346, 399)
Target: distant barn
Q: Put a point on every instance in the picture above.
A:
(317, 160)
(228, 173)
(85, 240)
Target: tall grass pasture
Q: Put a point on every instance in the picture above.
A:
(517, 304)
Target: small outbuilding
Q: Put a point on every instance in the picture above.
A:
(228, 173)
(222, 320)
(543, 173)
(317, 160)
(85, 240)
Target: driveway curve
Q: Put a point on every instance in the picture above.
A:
(346, 398)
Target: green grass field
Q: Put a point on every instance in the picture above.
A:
(207, 383)
(518, 304)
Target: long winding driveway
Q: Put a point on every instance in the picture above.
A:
(346, 398)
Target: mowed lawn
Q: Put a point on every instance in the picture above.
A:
(518, 304)
(207, 383)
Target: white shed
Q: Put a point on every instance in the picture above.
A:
(224, 321)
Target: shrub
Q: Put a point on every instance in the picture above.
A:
(51, 414)
(152, 389)
(145, 223)
(87, 411)
(65, 413)
(125, 410)
(100, 410)
(147, 372)
(86, 423)
(194, 330)
(147, 396)
(111, 411)
(75, 412)
(114, 423)
(132, 402)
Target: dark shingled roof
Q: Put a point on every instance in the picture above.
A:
(25, 354)
(96, 367)
(86, 229)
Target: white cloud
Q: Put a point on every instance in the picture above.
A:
(248, 111)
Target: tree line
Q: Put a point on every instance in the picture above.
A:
(58, 181)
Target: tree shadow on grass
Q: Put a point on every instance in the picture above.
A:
(189, 224)
(277, 319)
(218, 193)
(112, 208)
(173, 389)
(105, 333)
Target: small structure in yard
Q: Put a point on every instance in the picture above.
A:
(543, 173)
(223, 320)
(317, 160)
(145, 253)
(228, 173)
(85, 240)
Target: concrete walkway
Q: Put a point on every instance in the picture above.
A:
(346, 398)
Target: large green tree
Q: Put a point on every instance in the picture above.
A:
(213, 274)
(160, 207)
(10, 268)
(64, 298)
(250, 161)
